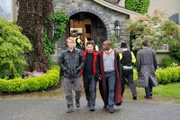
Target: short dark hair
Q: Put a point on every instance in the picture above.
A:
(90, 43)
(145, 43)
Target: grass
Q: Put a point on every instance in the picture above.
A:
(171, 90)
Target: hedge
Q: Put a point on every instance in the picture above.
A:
(164, 76)
(48, 80)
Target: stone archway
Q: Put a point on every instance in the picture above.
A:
(103, 19)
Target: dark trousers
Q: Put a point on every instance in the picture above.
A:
(148, 89)
(128, 74)
(90, 88)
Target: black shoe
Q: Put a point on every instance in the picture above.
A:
(148, 97)
(88, 104)
(91, 108)
(105, 106)
(77, 103)
(111, 110)
(134, 98)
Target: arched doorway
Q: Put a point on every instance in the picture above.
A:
(90, 25)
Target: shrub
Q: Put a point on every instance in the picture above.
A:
(155, 27)
(164, 76)
(13, 45)
(175, 48)
(168, 61)
(49, 80)
(113, 40)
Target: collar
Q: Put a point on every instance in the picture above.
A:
(108, 50)
(145, 47)
(72, 50)
(124, 49)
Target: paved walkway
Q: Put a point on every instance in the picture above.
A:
(55, 109)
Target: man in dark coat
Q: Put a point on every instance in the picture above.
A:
(108, 75)
(71, 61)
(146, 67)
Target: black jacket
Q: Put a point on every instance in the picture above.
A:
(71, 63)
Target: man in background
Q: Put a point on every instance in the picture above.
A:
(146, 67)
(127, 60)
(79, 42)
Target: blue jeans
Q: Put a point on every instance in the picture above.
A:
(90, 88)
(110, 80)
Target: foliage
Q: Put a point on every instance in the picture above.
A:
(156, 28)
(140, 6)
(113, 40)
(175, 48)
(60, 20)
(13, 45)
(167, 61)
(49, 80)
(34, 18)
(164, 76)
(169, 90)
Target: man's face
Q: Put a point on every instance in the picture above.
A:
(105, 46)
(81, 36)
(89, 48)
(70, 44)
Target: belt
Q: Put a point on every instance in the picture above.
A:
(109, 71)
(127, 67)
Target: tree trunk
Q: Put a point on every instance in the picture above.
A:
(32, 17)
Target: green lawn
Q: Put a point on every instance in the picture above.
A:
(170, 90)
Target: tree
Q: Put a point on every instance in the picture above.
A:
(13, 45)
(140, 6)
(155, 27)
(34, 18)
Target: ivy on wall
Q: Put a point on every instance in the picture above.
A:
(60, 20)
(140, 6)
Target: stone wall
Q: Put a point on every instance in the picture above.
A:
(106, 15)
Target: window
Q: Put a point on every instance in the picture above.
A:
(165, 48)
(6, 9)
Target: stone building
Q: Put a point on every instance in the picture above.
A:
(95, 19)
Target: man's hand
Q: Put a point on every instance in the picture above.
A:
(99, 77)
(67, 70)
